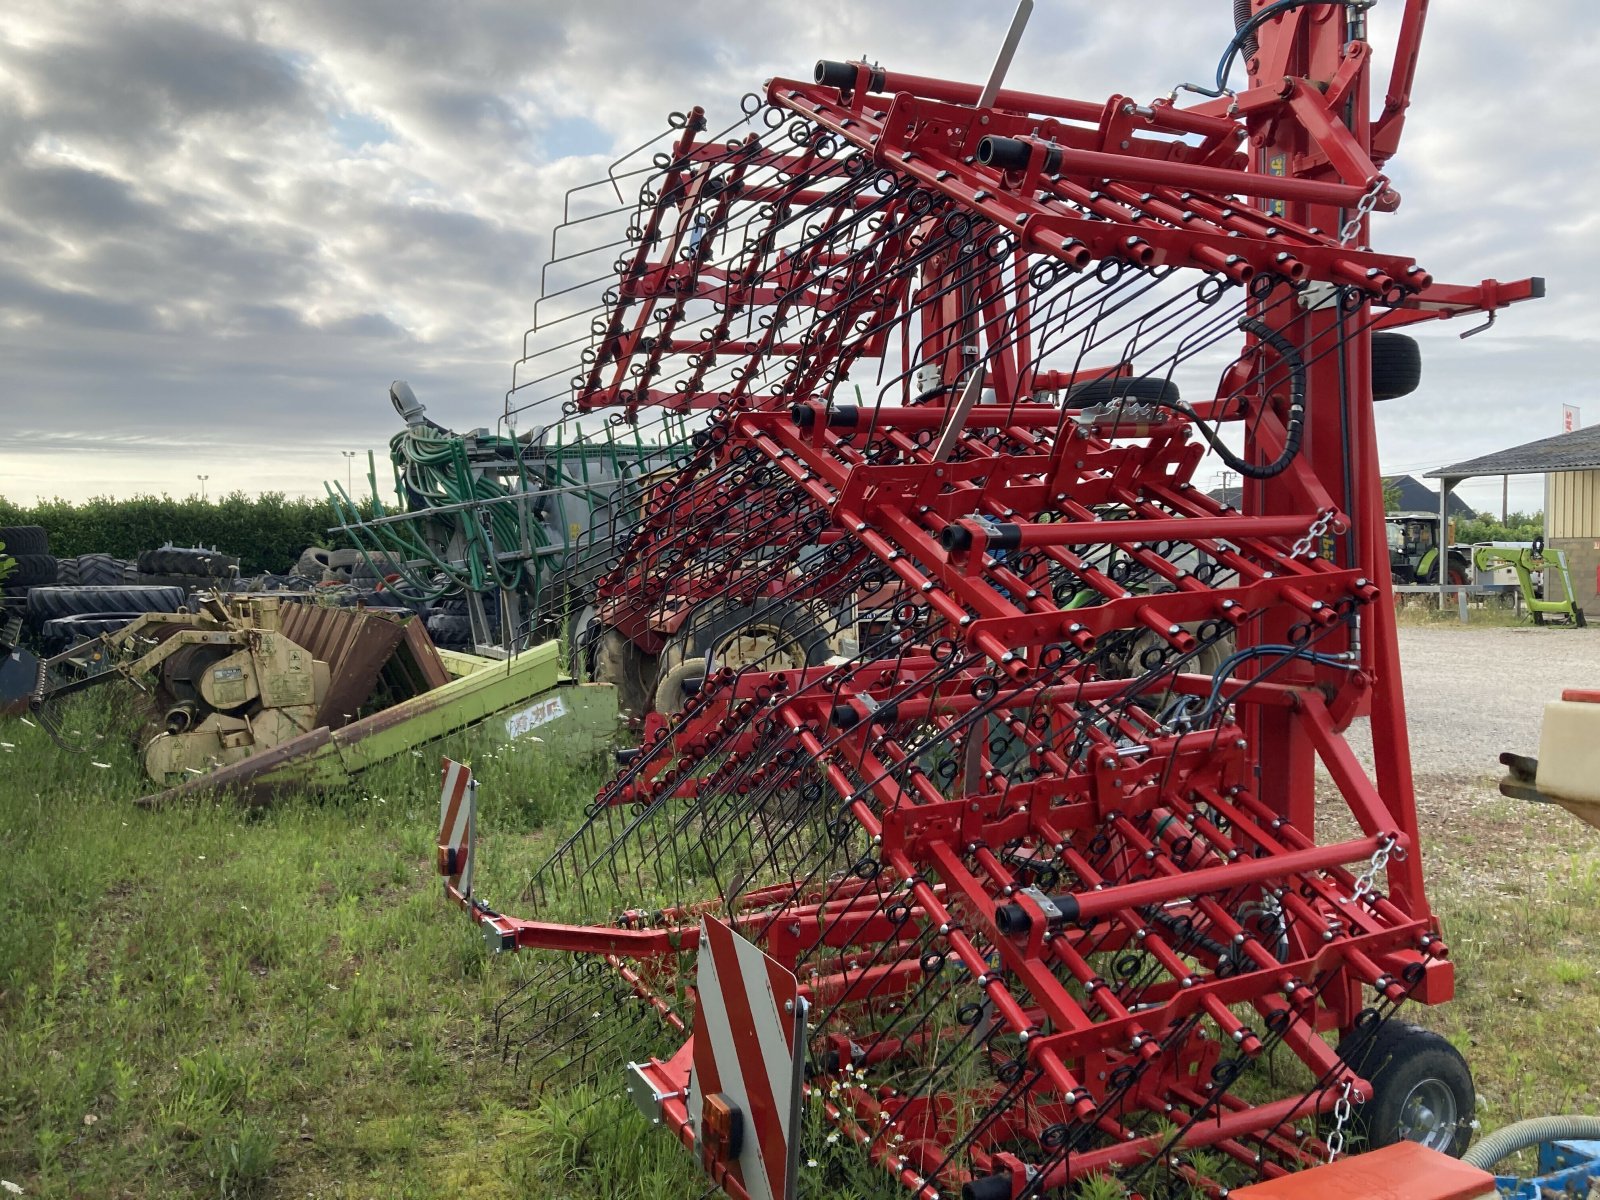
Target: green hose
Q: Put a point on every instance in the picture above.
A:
(1532, 1132)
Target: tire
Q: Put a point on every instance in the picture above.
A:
(68, 631)
(18, 540)
(45, 603)
(450, 630)
(313, 561)
(672, 694)
(1396, 366)
(1148, 388)
(98, 570)
(33, 570)
(582, 628)
(631, 671)
(798, 637)
(1421, 1088)
(67, 572)
(178, 560)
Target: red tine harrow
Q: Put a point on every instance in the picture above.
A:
(975, 713)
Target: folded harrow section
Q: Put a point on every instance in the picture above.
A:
(972, 708)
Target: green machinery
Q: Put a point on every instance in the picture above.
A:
(518, 526)
(1532, 562)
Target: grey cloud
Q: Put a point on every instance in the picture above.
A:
(197, 224)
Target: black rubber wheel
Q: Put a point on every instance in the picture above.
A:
(1149, 388)
(181, 560)
(1458, 570)
(1396, 366)
(18, 540)
(1421, 1088)
(32, 570)
(45, 603)
(453, 631)
(97, 570)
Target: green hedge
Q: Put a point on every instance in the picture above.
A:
(267, 532)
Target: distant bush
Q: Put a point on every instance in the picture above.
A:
(1484, 527)
(266, 532)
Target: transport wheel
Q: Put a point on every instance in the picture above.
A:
(1396, 366)
(1421, 1088)
(1148, 388)
(583, 629)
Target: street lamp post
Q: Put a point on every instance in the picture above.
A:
(349, 470)
(202, 479)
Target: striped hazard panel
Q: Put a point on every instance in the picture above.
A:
(744, 1095)
(458, 803)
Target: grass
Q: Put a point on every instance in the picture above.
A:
(209, 1002)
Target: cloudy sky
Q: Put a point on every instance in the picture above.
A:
(226, 226)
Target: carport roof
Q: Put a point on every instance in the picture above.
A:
(1575, 451)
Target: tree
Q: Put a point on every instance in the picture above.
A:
(1486, 527)
(1391, 495)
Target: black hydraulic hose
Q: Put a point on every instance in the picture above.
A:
(1290, 354)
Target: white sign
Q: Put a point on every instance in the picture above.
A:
(1569, 418)
(540, 712)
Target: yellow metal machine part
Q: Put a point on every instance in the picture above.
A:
(253, 687)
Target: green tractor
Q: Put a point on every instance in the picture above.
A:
(1414, 547)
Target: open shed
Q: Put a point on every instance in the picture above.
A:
(1570, 464)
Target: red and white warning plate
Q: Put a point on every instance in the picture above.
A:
(749, 1042)
(458, 803)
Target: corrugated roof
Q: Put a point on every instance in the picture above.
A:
(1575, 451)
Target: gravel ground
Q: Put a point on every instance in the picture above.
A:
(1472, 692)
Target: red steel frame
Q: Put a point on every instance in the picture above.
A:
(1013, 815)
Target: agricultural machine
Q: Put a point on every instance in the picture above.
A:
(516, 528)
(975, 841)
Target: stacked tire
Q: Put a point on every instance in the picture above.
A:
(92, 570)
(29, 545)
(61, 617)
(449, 625)
(192, 568)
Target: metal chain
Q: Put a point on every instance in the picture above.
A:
(1364, 206)
(1313, 535)
(1380, 862)
(1343, 1110)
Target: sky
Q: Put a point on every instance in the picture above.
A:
(226, 226)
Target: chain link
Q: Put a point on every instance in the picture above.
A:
(1380, 862)
(1343, 1110)
(1313, 535)
(1364, 206)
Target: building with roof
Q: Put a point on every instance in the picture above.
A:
(1570, 464)
(1414, 496)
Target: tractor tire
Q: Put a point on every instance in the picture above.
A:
(450, 630)
(98, 570)
(65, 632)
(770, 635)
(672, 694)
(179, 560)
(46, 603)
(33, 570)
(1396, 366)
(67, 572)
(1145, 388)
(1421, 1088)
(582, 629)
(313, 561)
(17, 540)
(631, 671)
